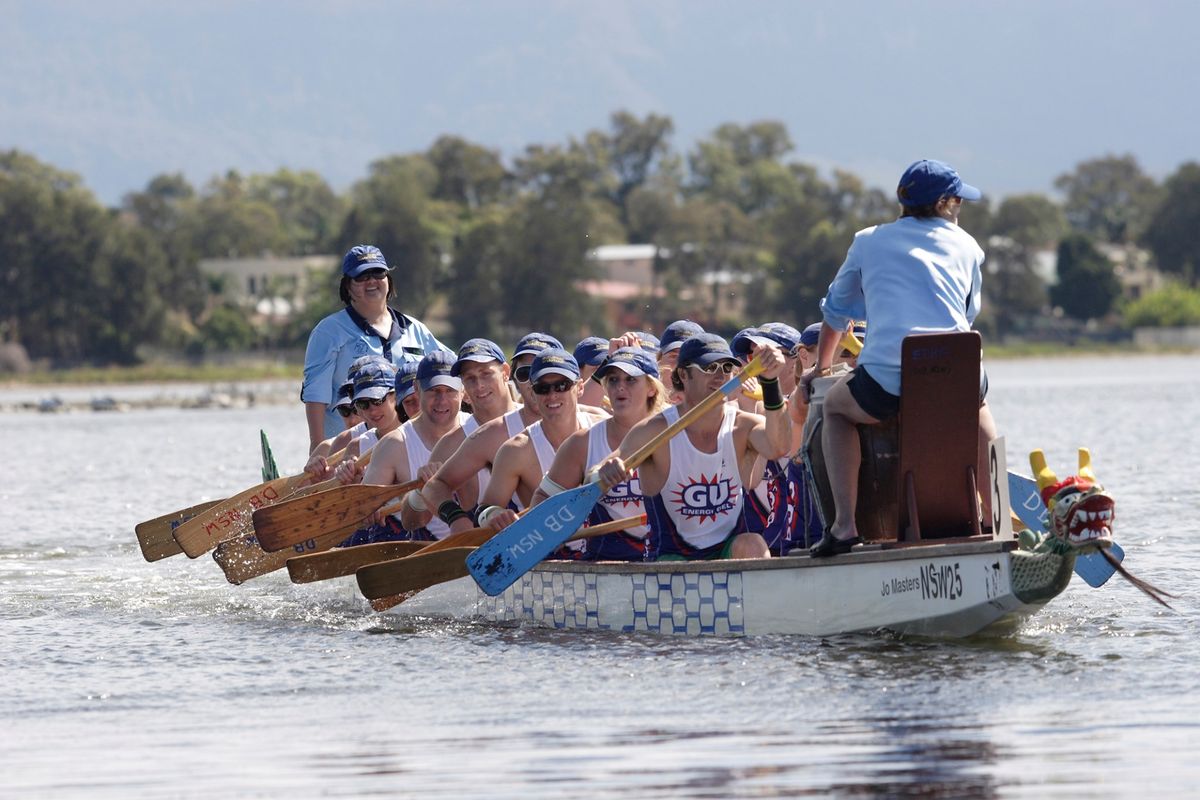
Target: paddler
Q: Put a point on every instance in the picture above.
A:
(674, 335)
(630, 380)
(478, 450)
(589, 354)
(523, 460)
(484, 373)
(920, 273)
(694, 486)
(403, 455)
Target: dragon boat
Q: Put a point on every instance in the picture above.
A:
(927, 567)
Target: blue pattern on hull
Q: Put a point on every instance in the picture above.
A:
(689, 603)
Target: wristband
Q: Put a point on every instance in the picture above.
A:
(486, 515)
(416, 501)
(449, 511)
(550, 487)
(772, 397)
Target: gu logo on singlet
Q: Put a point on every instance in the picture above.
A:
(627, 493)
(707, 497)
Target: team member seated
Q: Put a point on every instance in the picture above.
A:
(630, 380)
(589, 354)
(694, 486)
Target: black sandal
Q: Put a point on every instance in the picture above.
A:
(829, 546)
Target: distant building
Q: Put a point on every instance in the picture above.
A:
(273, 285)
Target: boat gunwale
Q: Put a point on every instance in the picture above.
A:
(866, 556)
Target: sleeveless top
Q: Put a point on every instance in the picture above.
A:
(514, 424)
(545, 457)
(768, 506)
(620, 501)
(484, 475)
(701, 502)
(418, 456)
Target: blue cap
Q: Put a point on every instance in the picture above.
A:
(591, 351)
(927, 181)
(630, 360)
(406, 379)
(648, 342)
(554, 361)
(361, 258)
(480, 350)
(375, 380)
(434, 370)
(743, 343)
(535, 343)
(345, 395)
(360, 362)
(811, 334)
(782, 334)
(704, 349)
(676, 333)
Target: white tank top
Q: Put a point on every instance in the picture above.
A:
(703, 492)
(545, 456)
(514, 424)
(484, 475)
(366, 440)
(418, 456)
(625, 499)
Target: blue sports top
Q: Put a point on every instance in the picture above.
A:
(908, 276)
(344, 336)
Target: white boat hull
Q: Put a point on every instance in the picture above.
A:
(948, 590)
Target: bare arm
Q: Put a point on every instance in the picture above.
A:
(389, 464)
(567, 469)
(314, 413)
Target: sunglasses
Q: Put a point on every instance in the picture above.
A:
(369, 402)
(521, 374)
(346, 411)
(370, 275)
(725, 367)
(558, 387)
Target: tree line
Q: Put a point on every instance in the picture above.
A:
(504, 243)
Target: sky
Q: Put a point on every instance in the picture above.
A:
(1011, 93)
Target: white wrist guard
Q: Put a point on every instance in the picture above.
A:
(549, 487)
(416, 501)
(486, 515)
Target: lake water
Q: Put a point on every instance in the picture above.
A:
(127, 679)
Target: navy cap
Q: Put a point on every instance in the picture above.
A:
(361, 258)
(745, 340)
(554, 361)
(630, 360)
(406, 379)
(480, 350)
(360, 362)
(591, 351)
(648, 342)
(811, 335)
(704, 349)
(676, 333)
(927, 181)
(782, 334)
(535, 343)
(345, 395)
(434, 370)
(375, 380)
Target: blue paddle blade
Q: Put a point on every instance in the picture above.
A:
(496, 564)
(1027, 504)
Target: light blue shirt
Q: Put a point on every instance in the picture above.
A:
(908, 276)
(338, 340)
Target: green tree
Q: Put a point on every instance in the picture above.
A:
(1109, 198)
(477, 282)
(1172, 232)
(1023, 226)
(308, 211)
(164, 210)
(467, 175)
(635, 148)
(1087, 284)
(1172, 306)
(390, 209)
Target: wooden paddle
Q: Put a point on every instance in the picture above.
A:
(241, 558)
(519, 547)
(429, 566)
(342, 561)
(156, 536)
(297, 520)
(228, 519)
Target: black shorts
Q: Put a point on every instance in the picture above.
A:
(882, 404)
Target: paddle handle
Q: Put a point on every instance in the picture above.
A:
(612, 526)
(725, 391)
